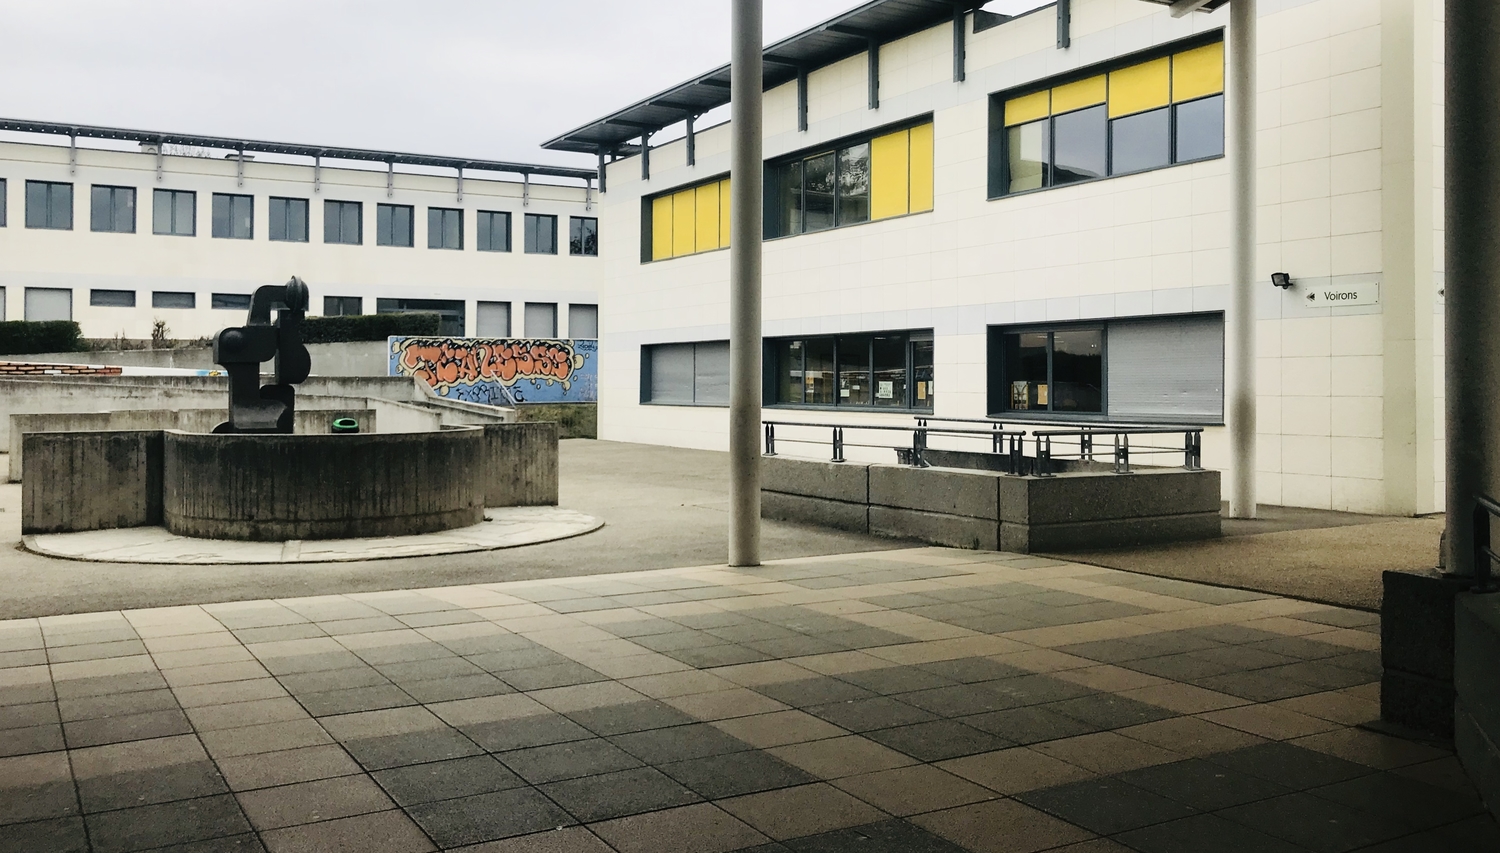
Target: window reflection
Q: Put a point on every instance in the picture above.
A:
(889, 352)
(1078, 370)
(817, 192)
(1028, 156)
(1200, 129)
(854, 184)
(1140, 142)
(1080, 146)
(817, 372)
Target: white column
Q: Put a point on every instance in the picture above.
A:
(744, 283)
(1239, 328)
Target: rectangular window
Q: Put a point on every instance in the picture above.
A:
(686, 221)
(1142, 116)
(445, 228)
(451, 316)
(541, 319)
(48, 303)
(541, 234)
(393, 225)
(493, 231)
(2, 202)
(230, 301)
(174, 212)
(884, 370)
(583, 235)
(112, 298)
(583, 321)
(49, 205)
(233, 216)
(343, 222)
(343, 306)
(112, 209)
(173, 299)
(875, 177)
(288, 220)
(1164, 369)
(492, 320)
(695, 374)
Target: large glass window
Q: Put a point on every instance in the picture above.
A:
(174, 212)
(1054, 371)
(288, 220)
(1145, 115)
(48, 303)
(393, 226)
(112, 298)
(872, 178)
(234, 216)
(541, 234)
(445, 228)
(230, 301)
(494, 231)
(885, 370)
(112, 209)
(343, 222)
(342, 306)
(49, 205)
(173, 299)
(451, 316)
(583, 235)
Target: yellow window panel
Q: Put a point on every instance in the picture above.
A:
(1140, 87)
(1198, 72)
(724, 212)
(684, 217)
(1079, 94)
(661, 228)
(707, 202)
(889, 160)
(921, 168)
(1028, 107)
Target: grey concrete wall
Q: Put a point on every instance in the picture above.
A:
(92, 481)
(354, 358)
(1476, 708)
(520, 464)
(280, 487)
(1417, 649)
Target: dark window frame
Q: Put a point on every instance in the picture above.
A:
(341, 206)
(4, 203)
(581, 246)
(229, 301)
(343, 303)
(998, 396)
(385, 225)
(999, 144)
(156, 299)
(527, 245)
(50, 205)
(97, 299)
(771, 371)
(172, 197)
(232, 201)
(483, 237)
(439, 235)
(113, 193)
(286, 204)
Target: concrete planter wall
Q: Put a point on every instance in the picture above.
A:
(92, 481)
(969, 508)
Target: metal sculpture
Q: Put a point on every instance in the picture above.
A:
(265, 408)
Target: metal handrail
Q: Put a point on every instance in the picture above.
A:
(1485, 508)
(1192, 446)
(1012, 440)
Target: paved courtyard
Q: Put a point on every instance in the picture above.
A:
(910, 701)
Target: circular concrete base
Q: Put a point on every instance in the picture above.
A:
(504, 527)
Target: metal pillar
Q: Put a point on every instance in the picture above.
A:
(1471, 311)
(1240, 323)
(745, 171)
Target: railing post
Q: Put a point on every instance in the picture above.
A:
(1043, 455)
(838, 444)
(770, 439)
(918, 444)
(1482, 559)
(1086, 447)
(1122, 453)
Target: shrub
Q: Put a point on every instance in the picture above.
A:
(368, 327)
(23, 337)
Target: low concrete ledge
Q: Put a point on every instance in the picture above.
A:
(92, 481)
(1417, 642)
(836, 481)
(951, 491)
(280, 487)
(955, 531)
(839, 515)
(1476, 710)
(520, 464)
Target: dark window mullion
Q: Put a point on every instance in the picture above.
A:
(1051, 395)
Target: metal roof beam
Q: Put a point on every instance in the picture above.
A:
(1184, 7)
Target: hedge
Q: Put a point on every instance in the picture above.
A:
(367, 327)
(25, 337)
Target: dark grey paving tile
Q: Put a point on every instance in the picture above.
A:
(555, 675)
(1203, 785)
(26, 716)
(1289, 765)
(319, 662)
(1475, 833)
(894, 836)
(488, 644)
(150, 786)
(1323, 674)
(33, 801)
(613, 795)
(568, 760)
(413, 748)
(169, 823)
(58, 835)
(27, 694)
(1261, 685)
(425, 670)
(486, 817)
(446, 780)
(31, 740)
(1317, 824)
(459, 687)
(863, 715)
(703, 657)
(355, 699)
(630, 717)
(1029, 724)
(971, 670)
(246, 843)
(334, 679)
(273, 633)
(94, 707)
(1179, 667)
(505, 661)
(1202, 833)
(958, 700)
(798, 646)
(404, 652)
(102, 730)
(679, 743)
(1366, 662)
(1407, 800)
(523, 732)
(1105, 806)
(735, 774)
(1299, 647)
(807, 692)
(938, 740)
(896, 679)
(1108, 711)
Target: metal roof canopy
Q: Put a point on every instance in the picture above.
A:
(837, 38)
(1182, 7)
(389, 158)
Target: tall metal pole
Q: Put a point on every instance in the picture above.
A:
(1471, 298)
(744, 282)
(1240, 325)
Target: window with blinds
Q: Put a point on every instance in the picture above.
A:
(860, 179)
(687, 374)
(1145, 115)
(688, 221)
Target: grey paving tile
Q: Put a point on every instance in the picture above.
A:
(863, 715)
(379, 753)
(1109, 711)
(568, 760)
(1317, 824)
(1029, 724)
(1407, 800)
(889, 681)
(813, 691)
(121, 704)
(619, 794)
(486, 817)
(310, 802)
(629, 717)
(26, 716)
(55, 835)
(1205, 832)
(1286, 764)
(355, 700)
(149, 724)
(679, 743)
(382, 832)
(31, 739)
(36, 787)
(446, 780)
(169, 823)
(287, 767)
(523, 732)
(555, 675)
(735, 774)
(460, 687)
(893, 836)
(1106, 806)
(1203, 785)
(938, 740)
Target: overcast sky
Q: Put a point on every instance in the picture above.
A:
(478, 78)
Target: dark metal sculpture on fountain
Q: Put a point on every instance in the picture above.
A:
(265, 408)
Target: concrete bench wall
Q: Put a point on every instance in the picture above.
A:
(988, 510)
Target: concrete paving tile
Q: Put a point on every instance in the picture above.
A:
(487, 817)
(213, 717)
(26, 716)
(568, 760)
(36, 787)
(1001, 826)
(1268, 721)
(214, 673)
(1371, 749)
(1184, 698)
(907, 791)
(148, 724)
(286, 767)
(701, 828)
(804, 810)
(184, 658)
(167, 823)
(487, 709)
(1011, 771)
(383, 832)
(54, 835)
(1107, 752)
(95, 651)
(310, 802)
(446, 780)
(838, 757)
(779, 728)
(619, 794)
(390, 721)
(1191, 736)
(268, 737)
(584, 697)
(228, 692)
(32, 739)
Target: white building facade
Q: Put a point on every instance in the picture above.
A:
(1046, 240)
(121, 240)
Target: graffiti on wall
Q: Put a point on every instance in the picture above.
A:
(501, 371)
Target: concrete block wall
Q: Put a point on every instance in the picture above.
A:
(1476, 709)
(520, 464)
(92, 481)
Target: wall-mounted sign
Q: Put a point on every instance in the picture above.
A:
(1341, 295)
